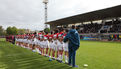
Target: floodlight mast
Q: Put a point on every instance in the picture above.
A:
(46, 10)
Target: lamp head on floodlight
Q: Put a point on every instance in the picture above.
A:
(45, 1)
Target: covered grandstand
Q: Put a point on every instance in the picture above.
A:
(108, 22)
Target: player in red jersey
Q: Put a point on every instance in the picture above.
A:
(47, 43)
(65, 47)
(50, 44)
(60, 46)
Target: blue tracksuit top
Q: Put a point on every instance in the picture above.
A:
(73, 38)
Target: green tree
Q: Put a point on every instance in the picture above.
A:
(12, 31)
(47, 30)
(2, 31)
(9, 31)
(21, 31)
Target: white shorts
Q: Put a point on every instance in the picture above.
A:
(55, 47)
(65, 48)
(51, 46)
(60, 47)
(44, 46)
(39, 46)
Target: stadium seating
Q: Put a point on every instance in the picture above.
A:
(108, 27)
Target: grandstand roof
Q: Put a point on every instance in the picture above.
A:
(111, 12)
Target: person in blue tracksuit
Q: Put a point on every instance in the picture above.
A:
(74, 42)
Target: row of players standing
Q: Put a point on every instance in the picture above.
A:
(50, 45)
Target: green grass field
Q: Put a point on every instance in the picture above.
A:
(98, 55)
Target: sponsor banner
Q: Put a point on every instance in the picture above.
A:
(120, 36)
(90, 38)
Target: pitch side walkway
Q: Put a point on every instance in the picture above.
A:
(13, 57)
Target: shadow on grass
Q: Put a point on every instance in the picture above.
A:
(18, 58)
(38, 63)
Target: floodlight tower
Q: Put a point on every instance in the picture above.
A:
(46, 8)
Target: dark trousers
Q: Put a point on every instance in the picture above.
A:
(72, 54)
(13, 42)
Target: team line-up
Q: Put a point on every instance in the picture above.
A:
(49, 45)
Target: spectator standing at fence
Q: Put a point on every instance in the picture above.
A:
(74, 43)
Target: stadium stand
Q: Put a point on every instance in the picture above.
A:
(89, 28)
(108, 29)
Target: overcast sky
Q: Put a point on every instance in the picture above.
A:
(29, 14)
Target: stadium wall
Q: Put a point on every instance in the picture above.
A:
(101, 37)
